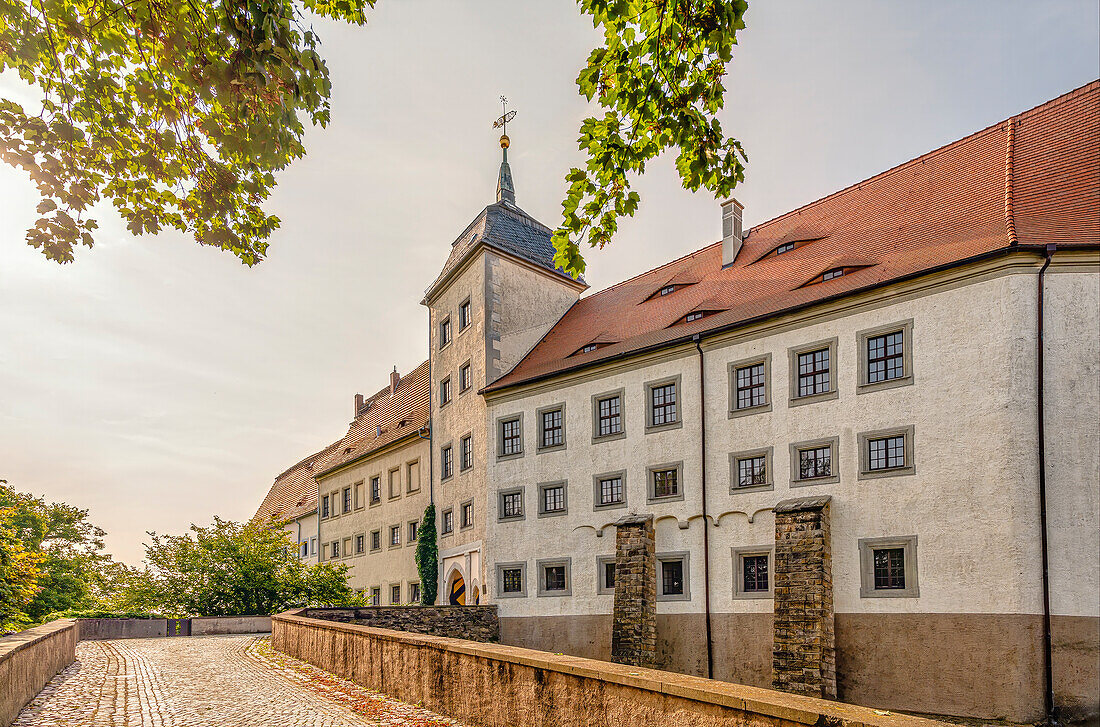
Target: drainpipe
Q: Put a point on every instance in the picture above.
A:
(706, 519)
(1048, 652)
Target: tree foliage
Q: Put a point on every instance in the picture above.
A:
(181, 112)
(178, 112)
(658, 77)
(233, 569)
(427, 557)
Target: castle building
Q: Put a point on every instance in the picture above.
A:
(852, 452)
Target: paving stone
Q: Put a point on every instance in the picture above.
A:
(205, 681)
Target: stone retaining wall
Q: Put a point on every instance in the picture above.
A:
(217, 625)
(475, 623)
(31, 658)
(99, 629)
(506, 686)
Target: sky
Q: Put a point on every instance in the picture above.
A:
(158, 383)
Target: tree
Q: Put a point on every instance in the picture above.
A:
(234, 569)
(427, 557)
(180, 112)
(18, 574)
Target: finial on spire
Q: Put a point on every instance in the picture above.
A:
(505, 191)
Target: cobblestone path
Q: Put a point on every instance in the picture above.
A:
(230, 681)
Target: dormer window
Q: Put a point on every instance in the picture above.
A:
(830, 274)
(666, 290)
(589, 348)
(694, 316)
(834, 273)
(785, 247)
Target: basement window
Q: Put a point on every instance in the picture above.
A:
(888, 567)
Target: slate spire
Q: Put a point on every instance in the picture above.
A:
(506, 192)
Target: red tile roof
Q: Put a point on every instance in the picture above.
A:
(384, 419)
(294, 492)
(1032, 179)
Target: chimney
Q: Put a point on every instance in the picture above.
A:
(358, 403)
(394, 378)
(731, 231)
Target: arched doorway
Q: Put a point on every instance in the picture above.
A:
(456, 594)
(474, 596)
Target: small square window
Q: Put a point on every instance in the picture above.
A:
(463, 315)
(446, 462)
(444, 332)
(815, 462)
(665, 482)
(752, 572)
(511, 504)
(672, 577)
(395, 535)
(551, 427)
(447, 522)
(552, 499)
(464, 378)
(511, 580)
(752, 471)
(554, 578)
(610, 490)
(414, 593)
(412, 532)
(395, 594)
(467, 515)
(445, 391)
(886, 453)
(376, 540)
(888, 567)
(511, 437)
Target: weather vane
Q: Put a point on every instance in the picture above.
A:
(502, 122)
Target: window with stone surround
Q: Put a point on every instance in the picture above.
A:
(813, 375)
(445, 391)
(445, 332)
(447, 522)
(334, 548)
(815, 462)
(347, 500)
(360, 543)
(413, 529)
(395, 594)
(466, 452)
(414, 593)
(664, 409)
(395, 482)
(888, 567)
(752, 572)
(554, 577)
(510, 432)
(464, 314)
(672, 577)
(666, 482)
(552, 499)
(412, 476)
(376, 540)
(466, 513)
(376, 489)
(886, 453)
(885, 357)
(511, 580)
(376, 596)
(446, 463)
(324, 506)
(611, 490)
(464, 378)
(395, 535)
(551, 427)
(607, 416)
(510, 504)
(359, 500)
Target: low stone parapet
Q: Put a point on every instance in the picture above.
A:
(474, 623)
(220, 625)
(100, 629)
(506, 686)
(31, 658)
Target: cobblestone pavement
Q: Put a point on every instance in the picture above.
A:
(227, 681)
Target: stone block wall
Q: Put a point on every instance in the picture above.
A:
(804, 646)
(31, 658)
(634, 618)
(474, 623)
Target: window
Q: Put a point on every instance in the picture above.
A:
(447, 524)
(412, 476)
(589, 348)
(551, 427)
(466, 453)
(814, 463)
(445, 391)
(376, 489)
(324, 506)
(785, 247)
(359, 503)
(511, 437)
(335, 549)
(750, 470)
(414, 593)
(750, 386)
(464, 314)
(663, 410)
(347, 500)
(445, 332)
(605, 574)
(464, 377)
(672, 577)
(664, 482)
(693, 316)
(607, 416)
(394, 480)
(554, 577)
(510, 506)
(304, 549)
(888, 567)
(395, 535)
(360, 543)
(413, 524)
(886, 453)
(511, 580)
(752, 572)
(666, 290)
(376, 540)
(813, 374)
(885, 357)
(611, 490)
(376, 596)
(446, 463)
(467, 515)
(395, 594)
(552, 499)
(830, 274)
(313, 546)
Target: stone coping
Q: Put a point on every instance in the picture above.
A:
(29, 637)
(793, 707)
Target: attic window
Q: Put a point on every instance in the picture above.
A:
(666, 290)
(695, 315)
(403, 422)
(785, 247)
(347, 450)
(830, 274)
(590, 347)
(833, 273)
